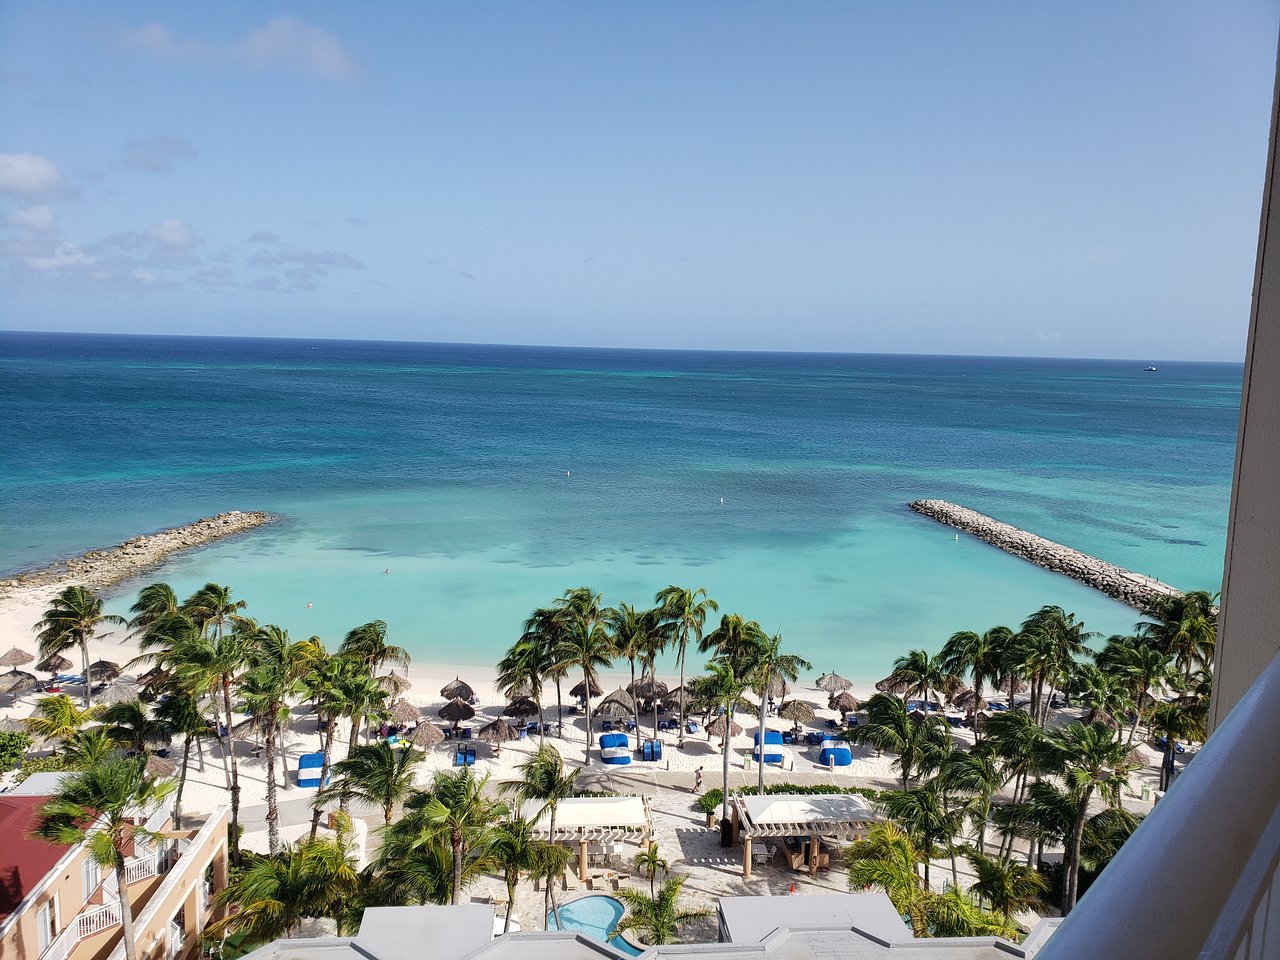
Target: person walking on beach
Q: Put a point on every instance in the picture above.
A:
(697, 780)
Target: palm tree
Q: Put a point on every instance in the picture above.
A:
(587, 646)
(649, 862)
(517, 851)
(549, 865)
(524, 667)
(547, 633)
(58, 718)
(72, 620)
(274, 894)
(180, 712)
(367, 645)
(87, 747)
(735, 638)
(1185, 627)
(1105, 694)
(130, 723)
(921, 673)
(975, 774)
(1140, 667)
(1179, 720)
(1046, 648)
(363, 695)
(771, 662)
(684, 613)
(924, 815)
(98, 806)
(1007, 887)
(1088, 758)
(629, 631)
(983, 656)
(457, 807)
(921, 743)
(414, 866)
(155, 601)
(886, 858)
(953, 913)
(658, 919)
(378, 774)
(545, 779)
(323, 683)
(723, 687)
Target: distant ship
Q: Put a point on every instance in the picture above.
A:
(1149, 370)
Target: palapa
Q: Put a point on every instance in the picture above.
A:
(970, 701)
(155, 677)
(647, 688)
(679, 698)
(404, 713)
(833, 683)
(457, 689)
(426, 736)
(893, 686)
(1011, 685)
(797, 711)
(1099, 715)
(160, 766)
(580, 688)
(120, 693)
(717, 727)
(496, 732)
(617, 701)
(393, 684)
(521, 707)
(15, 682)
(777, 688)
(11, 725)
(456, 711)
(14, 657)
(54, 663)
(103, 670)
(845, 702)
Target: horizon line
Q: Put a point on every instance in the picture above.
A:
(571, 346)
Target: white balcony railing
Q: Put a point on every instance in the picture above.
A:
(1199, 878)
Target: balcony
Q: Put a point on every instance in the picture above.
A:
(1201, 876)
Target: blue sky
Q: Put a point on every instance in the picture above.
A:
(997, 178)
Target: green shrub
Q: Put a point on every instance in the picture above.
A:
(709, 802)
(14, 745)
(51, 764)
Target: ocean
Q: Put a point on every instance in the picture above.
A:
(489, 479)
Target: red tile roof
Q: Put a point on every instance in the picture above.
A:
(24, 861)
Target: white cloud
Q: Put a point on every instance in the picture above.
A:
(156, 154)
(32, 218)
(172, 233)
(29, 175)
(61, 257)
(280, 42)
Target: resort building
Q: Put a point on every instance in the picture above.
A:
(57, 903)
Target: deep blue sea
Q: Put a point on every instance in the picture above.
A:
(489, 479)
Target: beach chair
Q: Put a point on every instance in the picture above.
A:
(691, 726)
(813, 738)
(460, 757)
(471, 756)
(606, 726)
(631, 726)
(788, 736)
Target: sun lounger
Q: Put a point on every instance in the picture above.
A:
(615, 748)
(691, 726)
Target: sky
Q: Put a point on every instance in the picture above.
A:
(1012, 178)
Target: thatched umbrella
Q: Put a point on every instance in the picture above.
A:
(120, 693)
(456, 711)
(616, 705)
(15, 682)
(893, 686)
(845, 702)
(919, 716)
(101, 671)
(10, 725)
(647, 688)
(580, 688)
(393, 684)
(156, 676)
(777, 688)
(426, 736)
(404, 713)
(13, 657)
(969, 701)
(716, 727)
(521, 707)
(1098, 715)
(833, 683)
(160, 767)
(679, 698)
(1011, 685)
(457, 689)
(54, 664)
(497, 732)
(797, 711)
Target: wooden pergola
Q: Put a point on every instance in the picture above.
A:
(843, 816)
(588, 820)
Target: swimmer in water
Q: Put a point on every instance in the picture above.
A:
(308, 604)
(388, 570)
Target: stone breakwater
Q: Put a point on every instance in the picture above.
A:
(105, 568)
(1124, 585)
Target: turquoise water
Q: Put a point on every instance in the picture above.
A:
(594, 916)
(490, 479)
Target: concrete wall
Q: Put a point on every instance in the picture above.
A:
(1249, 621)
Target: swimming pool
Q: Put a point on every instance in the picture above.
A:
(595, 916)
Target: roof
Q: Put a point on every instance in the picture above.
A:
(785, 814)
(44, 784)
(24, 861)
(396, 933)
(591, 817)
(547, 945)
(751, 919)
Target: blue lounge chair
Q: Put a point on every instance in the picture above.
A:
(631, 725)
(606, 726)
(813, 738)
(615, 748)
(309, 767)
(835, 753)
(691, 726)
(788, 736)
(772, 738)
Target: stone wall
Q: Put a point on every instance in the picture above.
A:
(1126, 586)
(104, 568)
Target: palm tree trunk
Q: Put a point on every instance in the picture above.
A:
(635, 701)
(551, 837)
(126, 910)
(457, 867)
(764, 700)
(88, 680)
(511, 899)
(344, 803)
(1073, 868)
(182, 782)
(559, 704)
(724, 744)
(284, 762)
(273, 808)
(327, 753)
(235, 774)
(680, 657)
(586, 683)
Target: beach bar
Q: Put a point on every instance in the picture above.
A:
(593, 820)
(807, 817)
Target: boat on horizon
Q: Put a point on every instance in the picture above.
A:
(1149, 370)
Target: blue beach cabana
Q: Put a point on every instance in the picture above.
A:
(773, 752)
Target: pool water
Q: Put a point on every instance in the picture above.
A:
(595, 916)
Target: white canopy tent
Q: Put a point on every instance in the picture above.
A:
(844, 816)
(588, 820)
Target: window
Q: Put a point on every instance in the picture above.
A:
(46, 921)
(89, 876)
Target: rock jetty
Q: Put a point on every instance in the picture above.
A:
(105, 568)
(1124, 585)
